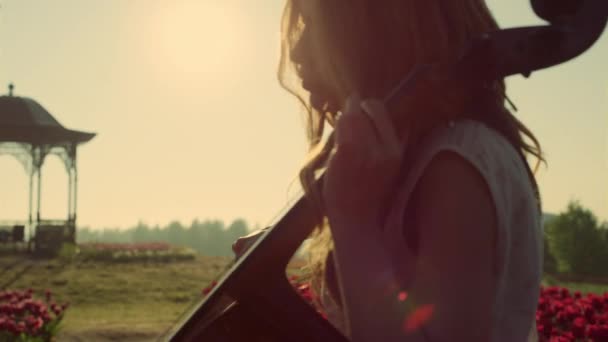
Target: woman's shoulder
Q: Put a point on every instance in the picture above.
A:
(468, 140)
(486, 149)
(490, 154)
(468, 136)
(473, 140)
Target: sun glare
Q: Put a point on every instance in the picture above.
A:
(198, 38)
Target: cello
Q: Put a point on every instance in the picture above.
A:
(254, 301)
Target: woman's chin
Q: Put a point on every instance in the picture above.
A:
(321, 104)
(316, 101)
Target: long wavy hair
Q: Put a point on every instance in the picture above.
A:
(368, 46)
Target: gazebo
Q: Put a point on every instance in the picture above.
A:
(30, 133)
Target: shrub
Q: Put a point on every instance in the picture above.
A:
(68, 252)
(549, 261)
(577, 243)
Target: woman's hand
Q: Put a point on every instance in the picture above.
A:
(242, 244)
(364, 165)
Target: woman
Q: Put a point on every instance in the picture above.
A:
(429, 225)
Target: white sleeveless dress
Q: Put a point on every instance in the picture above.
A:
(519, 253)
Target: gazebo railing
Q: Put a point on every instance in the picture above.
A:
(55, 222)
(51, 234)
(10, 223)
(12, 231)
(48, 235)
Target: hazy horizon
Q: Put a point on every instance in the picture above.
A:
(192, 122)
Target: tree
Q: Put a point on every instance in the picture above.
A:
(549, 262)
(141, 233)
(576, 241)
(216, 241)
(176, 234)
(87, 235)
(237, 229)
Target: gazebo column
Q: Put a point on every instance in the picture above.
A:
(74, 202)
(70, 179)
(30, 208)
(39, 186)
(75, 192)
(71, 222)
(38, 160)
(37, 157)
(73, 179)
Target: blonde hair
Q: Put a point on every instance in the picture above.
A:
(368, 46)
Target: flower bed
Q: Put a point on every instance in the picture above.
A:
(24, 318)
(125, 252)
(563, 316)
(302, 288)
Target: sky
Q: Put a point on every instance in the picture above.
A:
(192, 123)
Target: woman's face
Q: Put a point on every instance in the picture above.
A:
(303, 56)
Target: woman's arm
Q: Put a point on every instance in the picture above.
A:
(457, 226)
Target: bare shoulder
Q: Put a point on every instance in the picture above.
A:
(457, 226)
(452, 190)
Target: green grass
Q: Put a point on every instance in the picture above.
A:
(136, 301)
(585, 288)
(103, 295)
(110, 297)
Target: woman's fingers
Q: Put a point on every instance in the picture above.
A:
(242, 244)
(367, 122)
(387, 133)
(366, 137)
(354, 129)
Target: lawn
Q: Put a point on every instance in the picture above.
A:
(135, 302)
(584, 287)
(112, 301)
(109, 298)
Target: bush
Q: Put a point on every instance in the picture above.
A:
(68, 252)
(549, 261)
(578, 244)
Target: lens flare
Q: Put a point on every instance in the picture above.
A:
(418, 318)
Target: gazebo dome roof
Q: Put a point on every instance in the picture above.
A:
(25, 120)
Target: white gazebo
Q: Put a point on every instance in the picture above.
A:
(30, 133)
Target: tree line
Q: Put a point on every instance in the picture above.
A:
(575, 242)
(210, 237)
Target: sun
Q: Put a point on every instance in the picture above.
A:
(198, 38)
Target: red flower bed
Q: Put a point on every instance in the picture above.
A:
(24, 318)
(563, 316)
(133, 247)
(303, 289)
(306, 292)
(133, 252)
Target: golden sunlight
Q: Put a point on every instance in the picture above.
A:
(197, 38)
